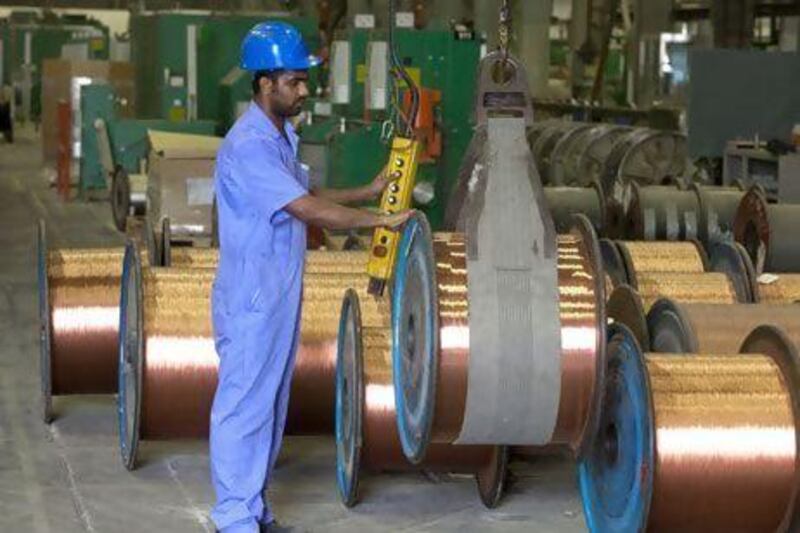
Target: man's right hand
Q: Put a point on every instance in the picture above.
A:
(396, 220)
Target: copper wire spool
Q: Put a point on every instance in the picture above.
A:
(172, 361)
(707, 287)
(778, 288)
(677, 327)
(707, 442)
(582, 317)
(767, 231)
(78, 318)
(629, 306)
(366, 431)
(641, 256)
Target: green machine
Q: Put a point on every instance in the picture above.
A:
(186, 63)
(124, 141)
(350, 145)
(29, 38)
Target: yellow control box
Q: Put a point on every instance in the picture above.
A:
(402, 169)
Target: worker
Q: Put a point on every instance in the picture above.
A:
(264, 204)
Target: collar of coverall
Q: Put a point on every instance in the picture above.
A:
(262, 122)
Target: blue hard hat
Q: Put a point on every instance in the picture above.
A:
(276, 46)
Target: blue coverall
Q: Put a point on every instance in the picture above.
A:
(256, 312)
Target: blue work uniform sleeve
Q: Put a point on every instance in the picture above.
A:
(263, 178)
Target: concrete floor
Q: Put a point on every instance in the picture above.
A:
(68, 477)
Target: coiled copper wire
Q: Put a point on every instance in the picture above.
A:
(84, 319)
(317, 261)
(725, 443)
(579, 310)
(709, 287)
(180, 362)
(192, 257)
(643, 256)
(778, 288)
(380, 448)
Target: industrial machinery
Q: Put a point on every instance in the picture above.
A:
(115, 151)
(347, 141)
(29, 38)
(183, 60)
(753, 163)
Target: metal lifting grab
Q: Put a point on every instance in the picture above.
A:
(402, 168)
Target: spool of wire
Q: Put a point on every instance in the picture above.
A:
(78, 319)
(431, 336)
(662, 213)
(778, 288)
(366, 431)
(706, 287)
(694, 443)
(564, 202)
(168, 362)
(640, 256)
(718, 207)
(713, 328)
(767, 233)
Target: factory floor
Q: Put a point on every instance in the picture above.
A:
(68, 477)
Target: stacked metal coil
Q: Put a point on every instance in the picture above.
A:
(366, 432)
(431, 328)
(168, 361)
(695, 442)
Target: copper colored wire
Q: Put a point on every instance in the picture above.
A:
(709, 287)
(725, 443)
(181, 363)
(778, 288)
(664, 256)
(317, 261)
(578, 309)
(84, 319)
(380, 447)
(193, 257)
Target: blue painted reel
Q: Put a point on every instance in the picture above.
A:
(616, 474)
(45, 372)
(131, 355)
(415, 337)
(349, 399)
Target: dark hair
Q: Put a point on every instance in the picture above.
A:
(271, 75)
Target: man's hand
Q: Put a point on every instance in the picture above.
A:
(364, 193)
(379, 183)
(396, 220)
